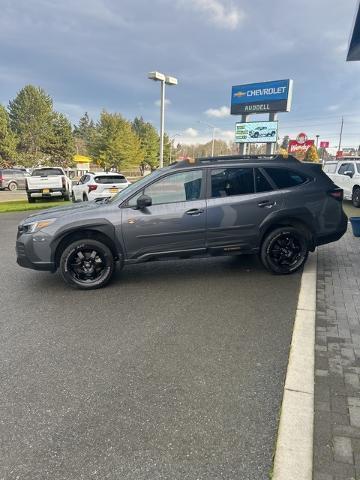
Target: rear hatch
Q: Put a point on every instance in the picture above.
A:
(110, 184)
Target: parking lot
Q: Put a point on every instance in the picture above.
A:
(174, 371)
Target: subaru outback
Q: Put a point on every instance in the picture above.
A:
(273, 206)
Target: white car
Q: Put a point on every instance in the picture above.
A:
(48, 182)
(345, 173)
(94, 186)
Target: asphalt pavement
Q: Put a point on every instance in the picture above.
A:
(174, 371)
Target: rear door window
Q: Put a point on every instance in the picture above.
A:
(285, 178)
(226, 182)
(262, 184)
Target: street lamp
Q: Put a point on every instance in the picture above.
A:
(163, 79)
(213, 135)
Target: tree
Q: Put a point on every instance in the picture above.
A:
(285, 142)
(312, 154)
(31, 114)
(60, 145)
(8, 140)
(149, 141)
(83, 133)
(115, 144)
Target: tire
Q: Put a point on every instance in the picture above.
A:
(67, 197)
(12, 186)
(30, 199)
(87, 264)
(85, 198)
(284, 250)
(73, 197)
(356, 197)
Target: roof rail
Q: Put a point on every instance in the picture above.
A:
(234, 158)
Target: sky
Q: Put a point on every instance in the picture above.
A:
(91, 55)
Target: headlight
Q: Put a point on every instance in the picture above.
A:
(36, 226)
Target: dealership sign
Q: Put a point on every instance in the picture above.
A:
(256, 132)
(300, 146)
(262, 97)
(324, 144)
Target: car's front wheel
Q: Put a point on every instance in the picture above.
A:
(284, 250)
(356, 197)
(87, 264)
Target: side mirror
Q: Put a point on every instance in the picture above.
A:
(144, 201)
(349, 173)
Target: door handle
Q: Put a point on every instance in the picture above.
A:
(194, 211)
(266, 204)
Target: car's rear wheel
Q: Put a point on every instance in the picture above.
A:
(85, 198)
(356, 197)
(67, 197)
(285, 250)
(12, 186)
(30, 199)
(87, 264)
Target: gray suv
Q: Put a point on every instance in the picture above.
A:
(273, 206)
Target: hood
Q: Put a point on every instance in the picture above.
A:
(58, 212)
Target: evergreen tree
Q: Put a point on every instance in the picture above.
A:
(115, 144)
(31, 114)
(150, 143)
(312, 154)
(60, 145)
(8, 140)
(83, 133)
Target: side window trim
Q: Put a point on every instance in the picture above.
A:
(125, 203)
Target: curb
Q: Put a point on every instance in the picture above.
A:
(294, 447)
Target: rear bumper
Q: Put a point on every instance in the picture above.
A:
(333, 236)
(53, 192)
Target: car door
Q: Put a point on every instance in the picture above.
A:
(344, 178)
(175, 221)
(239, 200)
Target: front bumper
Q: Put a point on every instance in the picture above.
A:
(33, 251)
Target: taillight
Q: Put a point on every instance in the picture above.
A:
(337, 193)
(92, 187)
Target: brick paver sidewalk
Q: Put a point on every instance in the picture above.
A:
(337, 362)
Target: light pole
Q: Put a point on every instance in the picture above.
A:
(171, 143)
(163, 79)
(317, 140)
(213, 135)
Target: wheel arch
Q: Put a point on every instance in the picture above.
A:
(89, 233)
(290, 222)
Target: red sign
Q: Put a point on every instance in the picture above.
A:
(300, 146)
(324, 144)
(339, 154)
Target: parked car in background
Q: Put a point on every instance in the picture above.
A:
(346, 174)
(94, 186)
(48, 182)
(261, 132)
(12, 178)
(276, 207)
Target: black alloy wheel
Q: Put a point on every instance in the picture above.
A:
(356, 197)
(284, 250)
(87, 264)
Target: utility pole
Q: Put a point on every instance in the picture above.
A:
(341, 132)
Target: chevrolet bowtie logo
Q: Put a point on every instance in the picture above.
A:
(239, 94)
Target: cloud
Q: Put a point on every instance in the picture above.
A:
(220, 112)
(167, 102)
(333, 108)
(219, 14)
(191, 132)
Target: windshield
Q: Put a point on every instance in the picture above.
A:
(126, 192)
